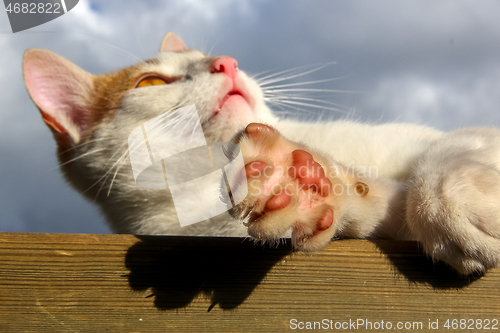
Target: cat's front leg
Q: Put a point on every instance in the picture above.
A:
(454, 200)
(290, 186)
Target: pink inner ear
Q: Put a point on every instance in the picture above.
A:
(172, 43)
(60, 89)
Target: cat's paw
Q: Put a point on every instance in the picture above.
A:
(287, 189)
(455, 214)
(291, 187)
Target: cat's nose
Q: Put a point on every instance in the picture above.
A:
(225, 65)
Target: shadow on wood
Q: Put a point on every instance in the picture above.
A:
(227, 270)
(410, 261)
(179, 269)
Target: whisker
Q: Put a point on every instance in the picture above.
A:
(109, 170)
(308, 99)
(256, 76)
(80, 145)
(157, 127)
(212, 48)
(308, 82)
(265, 80)
(313, 106)
(311, 90)
(105, 176)
(162, 126)
(203, 48)
(140, 44)
(133, 56)
(116, 173)
(83, 155)
(292, 107)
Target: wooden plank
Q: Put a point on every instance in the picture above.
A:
(123, 283)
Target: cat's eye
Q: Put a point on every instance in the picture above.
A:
(150, 82)
(153, 80)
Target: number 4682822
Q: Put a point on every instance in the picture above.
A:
(34, 8)
(471, 324)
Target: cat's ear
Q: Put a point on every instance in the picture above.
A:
(172, 43)
(61, 91)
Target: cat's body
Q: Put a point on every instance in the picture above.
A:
(446, 183)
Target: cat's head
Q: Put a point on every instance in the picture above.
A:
(92, 116)
(73, 103)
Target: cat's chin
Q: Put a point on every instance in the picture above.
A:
(234, 107)
(233, 95)
(234, 102)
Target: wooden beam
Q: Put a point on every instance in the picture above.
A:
(123, 283)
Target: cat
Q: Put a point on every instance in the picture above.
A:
(335, 179)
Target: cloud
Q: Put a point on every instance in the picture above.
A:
(87, 18)
(445, 104)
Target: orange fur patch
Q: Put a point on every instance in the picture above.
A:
(109, 90)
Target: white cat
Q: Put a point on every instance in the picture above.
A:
(396, 181)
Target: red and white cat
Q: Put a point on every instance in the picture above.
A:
(334, 179)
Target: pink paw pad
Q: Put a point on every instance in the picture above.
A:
(278, 201)
(255, 169)
(256, 129)
(325, 221)
(309, 173)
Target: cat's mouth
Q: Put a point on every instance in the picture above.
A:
(232, 101)
(236, 102)
(232, 94)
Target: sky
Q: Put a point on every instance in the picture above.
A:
(434, 63)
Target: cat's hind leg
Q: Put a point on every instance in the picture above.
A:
(453, 203)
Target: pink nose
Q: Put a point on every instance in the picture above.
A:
(225, 65)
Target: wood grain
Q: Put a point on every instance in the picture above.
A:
(123, 283)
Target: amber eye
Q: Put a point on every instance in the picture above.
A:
(153, 80)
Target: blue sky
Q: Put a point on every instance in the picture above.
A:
(427, 62)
